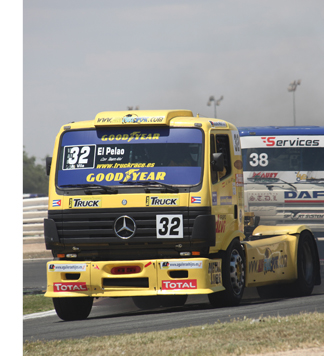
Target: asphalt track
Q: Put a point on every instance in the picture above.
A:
(113, 316)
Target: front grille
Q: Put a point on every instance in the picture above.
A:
(89, 226)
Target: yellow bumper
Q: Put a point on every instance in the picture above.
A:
(133, 278)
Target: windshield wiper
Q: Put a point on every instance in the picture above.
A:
(268, 180)
(276, 180)
(314, 180)
(168, 187)
(91, 188)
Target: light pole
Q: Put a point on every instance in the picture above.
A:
(216, 103)
(292, 87)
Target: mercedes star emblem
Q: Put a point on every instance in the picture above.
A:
(125, 227)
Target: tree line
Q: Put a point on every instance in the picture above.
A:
(35, 180)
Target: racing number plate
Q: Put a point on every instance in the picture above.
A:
(169, 226)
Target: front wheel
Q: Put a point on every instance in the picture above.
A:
(233, 274)
(74, 308)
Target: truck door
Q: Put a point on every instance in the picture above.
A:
(222, 189)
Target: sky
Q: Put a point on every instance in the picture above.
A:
(81, 57)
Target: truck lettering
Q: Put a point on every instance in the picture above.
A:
(178, 284)
(269, 264)
(304, 197)
(296, 142)
(157, 201)
(136, 135)
(130, 175)
(82, 203)
(70, 287)
(220, 223)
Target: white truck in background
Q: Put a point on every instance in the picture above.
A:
(283, 170)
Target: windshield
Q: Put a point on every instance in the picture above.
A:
(291, 164)
(121, 155)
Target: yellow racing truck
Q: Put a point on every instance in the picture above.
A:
(150, 205)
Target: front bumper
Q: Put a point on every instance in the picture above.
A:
(133, 278)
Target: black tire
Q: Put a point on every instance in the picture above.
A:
(173, 300)
(233, 275)
(75, 308)
(146, 303)
(273, 291)
(306, 264)
(165, 301)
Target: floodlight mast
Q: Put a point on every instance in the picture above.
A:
(216, 103)
(292, 88)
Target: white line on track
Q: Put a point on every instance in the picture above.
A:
(39, 315)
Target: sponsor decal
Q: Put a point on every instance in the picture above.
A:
(181, 265)
(96, 267)
(76, 267)
(269, 263)
(264, 175)
(304, 216)
(305, 197)
(108, 120)
(134, 119)
(125, 165)
(282, 141)
(70, 287)
(300, 176)
(214, 198)
(214, 271)
(226, 200)
(130, 175)
(179, 284)
(136, 135)
(239, 180)
(195, 200)
(260, 197)
(218, 123)
(220, 223)
(169, 200)
(84, 203)
(289, 141)
(57, 202)
(236, 142)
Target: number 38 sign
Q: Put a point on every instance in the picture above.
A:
(169, 226)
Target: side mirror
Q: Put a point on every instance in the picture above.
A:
(48, 165)
(217, 162)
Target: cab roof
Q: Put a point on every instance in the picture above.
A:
(147, 117)
(280, 130)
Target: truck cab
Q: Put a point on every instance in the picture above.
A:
(144, 185)
(284, 175)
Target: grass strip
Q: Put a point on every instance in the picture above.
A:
(35, 303)
(239, 337)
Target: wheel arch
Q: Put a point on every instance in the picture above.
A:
(239, 235)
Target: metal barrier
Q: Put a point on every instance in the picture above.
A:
(34, 213)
